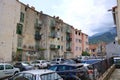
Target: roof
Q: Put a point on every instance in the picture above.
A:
(75, 65)
(40, 72)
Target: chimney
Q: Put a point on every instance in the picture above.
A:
(28, 5)
(33, 7)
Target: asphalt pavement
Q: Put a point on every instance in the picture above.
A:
(115, 75)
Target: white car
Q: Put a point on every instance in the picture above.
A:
(7, 70)
(36, 75)
(40, 63)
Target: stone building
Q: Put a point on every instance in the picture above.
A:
(28, 34)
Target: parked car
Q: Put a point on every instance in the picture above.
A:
(23, 66)
(69, 61)
(71, 70)
(59, 60)
(40, 63)
(37, 75)
(91, 61)
(117, 62)
(93, 72)
(7, 70)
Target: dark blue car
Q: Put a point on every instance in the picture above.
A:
(71, 70)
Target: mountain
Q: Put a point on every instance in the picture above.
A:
(107, 36)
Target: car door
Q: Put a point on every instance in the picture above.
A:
(2, 71)
(9, 70)
(61, 70)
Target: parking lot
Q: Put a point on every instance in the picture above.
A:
(68, 69)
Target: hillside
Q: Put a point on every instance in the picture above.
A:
(106, 37)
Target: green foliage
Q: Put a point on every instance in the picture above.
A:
(84, 53)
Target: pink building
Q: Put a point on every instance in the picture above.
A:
(77, 42)
(85, 43)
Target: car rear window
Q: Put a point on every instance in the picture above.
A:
(50, 76)
(79, 66)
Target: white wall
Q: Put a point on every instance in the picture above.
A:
(10, 12)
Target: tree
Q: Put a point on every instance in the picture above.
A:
(84, 53)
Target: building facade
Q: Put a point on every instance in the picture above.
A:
(27, 34)
(10, 11)
(77, 42)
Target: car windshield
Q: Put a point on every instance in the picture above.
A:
(26, 64)
(50, 76)
(54, 68)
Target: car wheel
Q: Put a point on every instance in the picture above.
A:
(16, 72)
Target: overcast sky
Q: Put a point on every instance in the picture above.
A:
(90, 16)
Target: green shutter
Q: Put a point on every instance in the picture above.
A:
(21, 17)
(19, 28)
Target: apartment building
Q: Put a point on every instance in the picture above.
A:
(77, 42)
(85, 43)
(28, 34)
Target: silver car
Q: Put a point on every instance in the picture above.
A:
(37, 75)
(7, 70)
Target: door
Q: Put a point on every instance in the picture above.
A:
(9, 70)
(2, 74)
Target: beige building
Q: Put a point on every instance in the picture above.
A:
(27, 34)
(9, 11)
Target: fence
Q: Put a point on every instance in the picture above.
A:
(99, 68)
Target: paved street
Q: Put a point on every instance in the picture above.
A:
(115, 75)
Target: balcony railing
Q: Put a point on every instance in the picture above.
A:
(53, 34)
(68, 31)
(68, 49)
(53, 47)
(37, 36)
(68, 38)
(37, 26)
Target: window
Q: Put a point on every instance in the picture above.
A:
(19, 28)
(80, 48)
(21, 17)
(76, 48)
(62, 38)
(62, 48)
(18, 76)
(8, 67)
(29, 76)
(19, 42)
(50, 76)
(79, 41)
(75, 32)
(61, 68)
(76, 40)
(1, 67)
(79, 33)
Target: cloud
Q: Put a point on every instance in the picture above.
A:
(90, 16)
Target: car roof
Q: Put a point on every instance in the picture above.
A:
(37, 71)
(75, 65)
(5, 64)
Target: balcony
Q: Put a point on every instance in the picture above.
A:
(68, 39)
(68, 31)
(68, 49)
(37, 26)
(53, 47)
(53, 34)
(37, 36)
(53, 24)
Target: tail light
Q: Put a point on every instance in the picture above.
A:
(90, 71)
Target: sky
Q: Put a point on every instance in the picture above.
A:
(90, 16)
